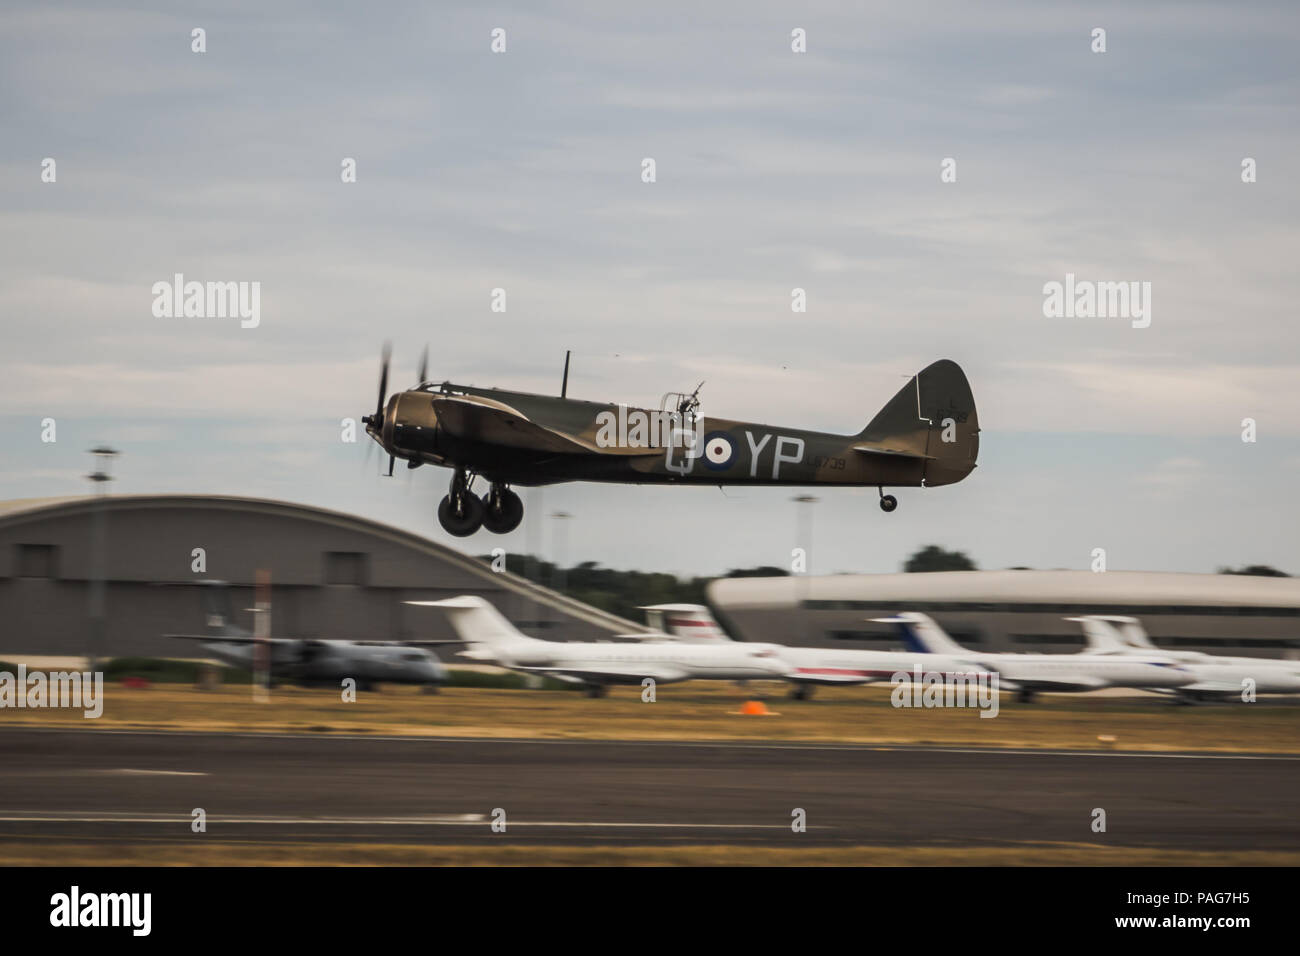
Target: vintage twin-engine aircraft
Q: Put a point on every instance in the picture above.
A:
(927, 434)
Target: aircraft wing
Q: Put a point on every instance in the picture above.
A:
(476, 418)
(612, 673)
(1211, 687)
(836, 675)
(407, 643)
(1077, 682)
(647, 637)
(219, 639)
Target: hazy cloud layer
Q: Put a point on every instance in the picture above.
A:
(775, 171)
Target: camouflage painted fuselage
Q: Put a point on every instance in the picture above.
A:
(928, 434)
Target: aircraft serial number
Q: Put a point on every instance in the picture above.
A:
(823, 461)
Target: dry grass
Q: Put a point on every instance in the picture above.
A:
(695, 711)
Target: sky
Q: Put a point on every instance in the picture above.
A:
(522, 170)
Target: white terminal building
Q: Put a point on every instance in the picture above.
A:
(1017, 610)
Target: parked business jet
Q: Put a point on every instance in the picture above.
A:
(1216, 677)
(813, 666)
(1056, 673)
(596, 665)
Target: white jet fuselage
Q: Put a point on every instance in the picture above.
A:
(712, 661)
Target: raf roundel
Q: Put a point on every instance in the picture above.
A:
(718, 451)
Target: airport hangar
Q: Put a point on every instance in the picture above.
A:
(332, 576)
(1228, 614)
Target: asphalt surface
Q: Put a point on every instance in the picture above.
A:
(133, 787)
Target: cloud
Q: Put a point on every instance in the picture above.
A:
(776, 170)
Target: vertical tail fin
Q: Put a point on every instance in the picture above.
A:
(921, 635)
(1128, 630)
(932, 418)
(218, 611)
(476, 621)
(1101, 636)
(686, 622)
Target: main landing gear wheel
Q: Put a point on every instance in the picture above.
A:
(802, 692)
(596, 690)
(888, 503)
(462, 521)
(502, 510)
(461, 511)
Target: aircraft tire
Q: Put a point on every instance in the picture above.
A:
(888, 503)
(463, 525)
(506, 519)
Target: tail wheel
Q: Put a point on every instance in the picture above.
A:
(502, 511)
(461, 521)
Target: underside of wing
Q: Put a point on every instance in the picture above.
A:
(1079, 682)
(1226, 688)
(836, 675)
(495, 423)
(614, 673)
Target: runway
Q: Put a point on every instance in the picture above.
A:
(143, 787)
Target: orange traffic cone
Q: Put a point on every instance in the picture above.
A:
(755, 708)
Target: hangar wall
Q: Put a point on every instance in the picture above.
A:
(333, 576)
(1024, 611)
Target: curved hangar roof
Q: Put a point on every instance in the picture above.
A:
(333, 574)
(1015, 590)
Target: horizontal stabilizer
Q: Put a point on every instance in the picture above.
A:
(892, 452)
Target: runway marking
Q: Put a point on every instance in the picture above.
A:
(456, 819)
(693, 744)
(113, 816)
(155, 773)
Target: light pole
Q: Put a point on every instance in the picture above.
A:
(803, 535)
(559, 542)
(99, 479)
(533, 534)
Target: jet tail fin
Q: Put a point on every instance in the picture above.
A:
(218, 611)
(1100, 636)
(476, 621)
(686, 622)
(933, 420)
(1128, 631)
(922, 635)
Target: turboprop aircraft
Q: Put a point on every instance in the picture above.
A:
(1217, 678)
(1055, 673)
(596, 665)
(926, 435)
(314, 661)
